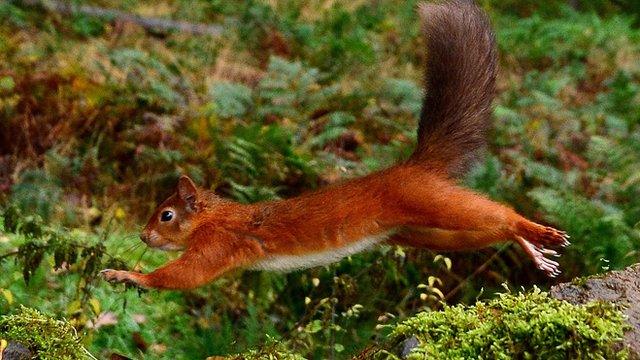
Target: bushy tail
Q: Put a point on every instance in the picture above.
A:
(460, 84)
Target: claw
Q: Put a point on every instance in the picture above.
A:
(548, 251)
(104, 272)
(537, 254)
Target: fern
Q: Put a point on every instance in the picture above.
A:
(37, 192)
(599, 225)
(292, 91)
(337, 124)
(231, 100)
(150, 80)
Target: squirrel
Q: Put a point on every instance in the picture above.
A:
(415, 203)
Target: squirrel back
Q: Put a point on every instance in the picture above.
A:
(460, 85)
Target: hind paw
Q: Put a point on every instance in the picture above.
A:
(553, 237)
(535, 240)
(538, 255)
(544, 236)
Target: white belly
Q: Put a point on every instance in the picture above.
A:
(294, 262)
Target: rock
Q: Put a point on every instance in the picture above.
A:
(16, 351)
(407, 346)
(618, 287)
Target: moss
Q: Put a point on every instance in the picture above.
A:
(269, 355)
(45, 337)
(273, 351)
(523, 326)
(582, 281)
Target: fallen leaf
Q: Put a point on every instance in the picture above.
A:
(158, 348)
(104, 319)
(139, 318)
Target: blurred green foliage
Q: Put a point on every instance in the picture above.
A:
(98, 119)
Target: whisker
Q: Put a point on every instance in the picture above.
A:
(130, 236)
(131, 247)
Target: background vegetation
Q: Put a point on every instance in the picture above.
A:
(98, 118)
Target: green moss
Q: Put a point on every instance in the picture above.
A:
(273, 351)
(582, 281)
(46, 337)
(523, 326)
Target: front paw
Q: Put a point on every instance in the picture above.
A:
(118, 276)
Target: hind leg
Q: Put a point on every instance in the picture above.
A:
(455, 240)
(443, 216)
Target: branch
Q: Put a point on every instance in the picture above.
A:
(150, 24)
(12, 253)
(480, 269)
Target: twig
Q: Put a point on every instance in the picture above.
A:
(9, 254)
(480, 269)
(150, 24)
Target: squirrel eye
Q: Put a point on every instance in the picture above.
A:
(166, 215)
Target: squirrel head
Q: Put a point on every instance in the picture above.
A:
(172, 222)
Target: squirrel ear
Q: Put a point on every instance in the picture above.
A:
(187, 191)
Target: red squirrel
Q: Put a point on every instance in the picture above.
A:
(415, 203)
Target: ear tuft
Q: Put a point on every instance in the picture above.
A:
(187, 191)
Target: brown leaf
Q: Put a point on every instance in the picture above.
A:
(139, 318)
(139, 341)
(116, 356)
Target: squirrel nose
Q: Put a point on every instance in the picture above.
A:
(144, 237)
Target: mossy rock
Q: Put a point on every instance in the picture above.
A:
(273, 351)
(620, 287)
(531, 325)
(521, 326)
(45, 337)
